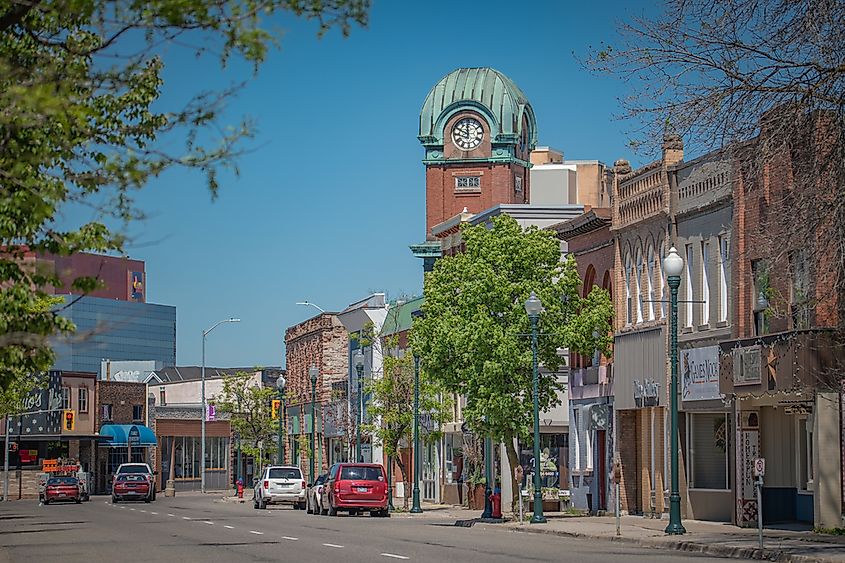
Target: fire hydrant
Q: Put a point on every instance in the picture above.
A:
(496, 500)
(240, 488)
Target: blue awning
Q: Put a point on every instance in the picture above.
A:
(121, 435)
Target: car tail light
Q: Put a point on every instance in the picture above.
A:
(266, 484)
(304, 485)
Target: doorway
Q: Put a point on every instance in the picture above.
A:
(601, 465)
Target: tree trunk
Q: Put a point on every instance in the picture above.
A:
(404, 471)
(513, 461)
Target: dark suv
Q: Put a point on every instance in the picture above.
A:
(356, 487)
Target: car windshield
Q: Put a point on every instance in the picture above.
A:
(284, 473)
(133, 469)
(361, 473)
(62, 481)
(320, 480)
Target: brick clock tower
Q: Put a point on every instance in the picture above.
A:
(478, 131)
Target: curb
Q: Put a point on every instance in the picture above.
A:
(690, 547)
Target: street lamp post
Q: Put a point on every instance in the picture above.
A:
(358, 360)
(488, 475)
(238, 436)
(533, 307)
(415, 506)
(280, 385)
(314, 373)
(202, 392)
(673, 265)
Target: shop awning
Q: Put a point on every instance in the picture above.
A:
(122, 435)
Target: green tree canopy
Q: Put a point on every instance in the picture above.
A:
(475, 335)
(81, 124)
(249, 408)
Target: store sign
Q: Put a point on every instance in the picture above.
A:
(747, 366)
(136, 286)
(134, 437)
(210, 413)
(44, 407)
(700, 374)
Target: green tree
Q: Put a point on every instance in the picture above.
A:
(392, 407)
(475, 336)
(249, 408)
(81, 124)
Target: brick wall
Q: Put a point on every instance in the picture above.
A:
(122, 396)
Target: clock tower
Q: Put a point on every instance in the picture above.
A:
(478, 131)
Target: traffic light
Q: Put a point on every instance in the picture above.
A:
(70, 420)
(276, 405)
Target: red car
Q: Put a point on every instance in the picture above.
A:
(356, 487)
(130, 486)
(62, 488)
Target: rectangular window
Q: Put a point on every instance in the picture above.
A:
(83, 399)
(106, 412)
(467, 182)
(723, 279)
(705, 282)
(517, 184)
(65, 398)
(800, 290)
(689, 288)
(137, 413)
(708, 442)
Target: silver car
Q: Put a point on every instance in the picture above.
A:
(279, 484)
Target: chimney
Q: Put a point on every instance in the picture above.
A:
(673, 149)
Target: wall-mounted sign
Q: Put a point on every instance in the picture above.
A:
(134, 437)
(700, 374)
(136, 286)
(747, 366)
(646, 393)
(44, 407)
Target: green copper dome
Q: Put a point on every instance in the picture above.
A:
(485, 90)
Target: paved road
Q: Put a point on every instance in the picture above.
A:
(201, 529)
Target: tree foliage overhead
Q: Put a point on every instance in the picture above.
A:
(475, 336)
(81, 124)
(720, 74)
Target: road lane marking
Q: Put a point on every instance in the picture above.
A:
(156, 513)
(290, 538)
(173, 515)
(333, 545)
(185, 518)
(131, 509)
(228, 526)
(143, 510)
(208, 522)
(394, 556)
(256, 533)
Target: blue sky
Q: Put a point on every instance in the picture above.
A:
(332, 192)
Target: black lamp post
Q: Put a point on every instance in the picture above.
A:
(415, 507)
(358, 359)
(280, 385)
(533, 307)
(673, 265)
(314, 373)
(488, 475)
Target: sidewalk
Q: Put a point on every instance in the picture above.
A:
(711, 538)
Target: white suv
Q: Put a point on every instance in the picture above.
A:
(139, 469)
(279, 484)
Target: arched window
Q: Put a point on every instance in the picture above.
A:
(629, 304)
(607, 284)
(589, 280)
(650, 275)
(662, 284)
(640, 275)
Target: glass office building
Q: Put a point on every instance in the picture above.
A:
(115, 330)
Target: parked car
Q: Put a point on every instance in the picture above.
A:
(279, 484)
(138, 469)
(62, 489)
(130, 486)
(355, 487)
(314, 504)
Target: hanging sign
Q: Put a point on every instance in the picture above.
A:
(700, 374)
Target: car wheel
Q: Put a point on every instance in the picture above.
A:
(78, 501)
(384, 513)
(147, 500)
(302, 506)
(332, 511)
(46, 502)
(308, 509)
(114, 500)
(262, 504)
(254, 502)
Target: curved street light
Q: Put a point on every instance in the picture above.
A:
(309, 304)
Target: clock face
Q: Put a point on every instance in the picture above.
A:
(467, 133)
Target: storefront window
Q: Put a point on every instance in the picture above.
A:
(708, 441)
(805, 454)
(187, 461)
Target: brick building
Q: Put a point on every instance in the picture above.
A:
(123, 404)
(591, 445)
(321, 341)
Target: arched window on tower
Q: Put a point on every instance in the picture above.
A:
(640, 275)
(650, 274)
(629, 304)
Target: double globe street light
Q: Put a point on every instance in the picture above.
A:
(533, 307)
(280, 386)
(314, 373)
